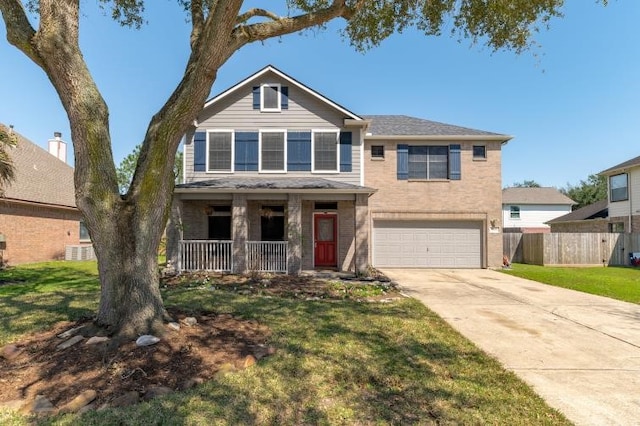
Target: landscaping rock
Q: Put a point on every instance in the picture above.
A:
(10, 352)
(129, 398)
(69, 343)
(174, 326)
(156, 391)
(70, 332)
(147, 340)
(88, 407)
(96, 340)
(262, 351)
(190, 321)
(80, 401)
(246, 362)
(39, 405)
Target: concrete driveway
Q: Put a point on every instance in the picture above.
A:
(580, 352)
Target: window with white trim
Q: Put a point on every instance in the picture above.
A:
(325, 151)
(270, 98)
(273, 153)
(220, 151)
(514, 212)
(618, 187)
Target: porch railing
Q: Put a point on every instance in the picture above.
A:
(267, 256)
(208, 255)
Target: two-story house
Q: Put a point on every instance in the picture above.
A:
(280, 178)
(624, 196)
(529, 210)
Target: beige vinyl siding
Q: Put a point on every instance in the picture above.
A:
(621, 208)
(305, 113)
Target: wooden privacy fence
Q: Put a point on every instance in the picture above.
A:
(571, 248)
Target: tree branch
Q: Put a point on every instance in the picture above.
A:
(20, 33)
(243, 34)
(197, 21)
(256, 12)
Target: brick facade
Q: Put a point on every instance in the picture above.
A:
(635, 222)
(189, 222)
(477, 196)
(37, 233)
(590, 225)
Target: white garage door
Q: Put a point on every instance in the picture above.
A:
(426, 244)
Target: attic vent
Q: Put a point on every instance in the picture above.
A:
(79, 252)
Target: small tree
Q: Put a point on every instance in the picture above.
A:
(127, 168)
(126, 228)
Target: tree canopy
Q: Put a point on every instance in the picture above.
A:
(7, 171)
(126, 228)
(588, 191)
(526, 184)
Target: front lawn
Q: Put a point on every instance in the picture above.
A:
(336, 362)
(622, 283)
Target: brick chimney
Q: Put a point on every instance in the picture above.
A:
(58, 147)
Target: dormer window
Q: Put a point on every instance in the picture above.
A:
(270, 99)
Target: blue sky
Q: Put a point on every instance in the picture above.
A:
(572, 104)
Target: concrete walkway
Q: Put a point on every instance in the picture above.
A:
(580, 352)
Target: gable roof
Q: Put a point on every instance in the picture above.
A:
(599, 209)
(535, 196)
(270, 68)
(404, 125)
(39, 176)
(634, 162)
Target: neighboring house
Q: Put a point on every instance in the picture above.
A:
(528, 210)
(624, 196)
(591, 218)
(38, 215)
(280, 178)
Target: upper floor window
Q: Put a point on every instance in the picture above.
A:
(428, 162)
(479, 152)
(618, 187)
(220, 151)
(270, 97)
(325, 151)
(272, 151)
(514, 212)
(377, 151)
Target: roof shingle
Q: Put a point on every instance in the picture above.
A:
(403, 125)
(535, 196)
(39, 176)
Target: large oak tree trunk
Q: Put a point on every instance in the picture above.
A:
(130, 299)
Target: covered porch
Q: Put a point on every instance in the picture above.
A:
(284, 225)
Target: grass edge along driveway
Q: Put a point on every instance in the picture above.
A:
(343, 362)
(621, 283)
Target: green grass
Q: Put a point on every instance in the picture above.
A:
(622, 283)
(338, 363)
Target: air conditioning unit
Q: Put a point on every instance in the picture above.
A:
(79, 252)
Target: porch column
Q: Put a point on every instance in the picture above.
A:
(362, 233)
(240, 231)
(174, 235)
(294, 234)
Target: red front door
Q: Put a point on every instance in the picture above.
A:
(325, 240)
